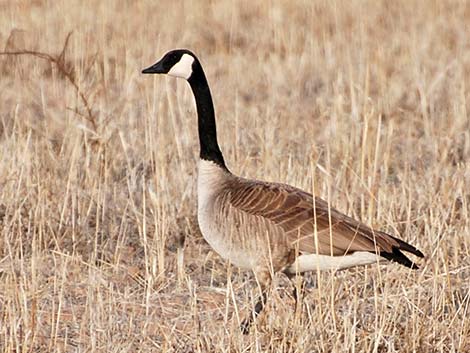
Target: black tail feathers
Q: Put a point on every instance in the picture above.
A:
(407, 247)
(397, 256)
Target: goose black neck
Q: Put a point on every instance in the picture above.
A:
(210, 150)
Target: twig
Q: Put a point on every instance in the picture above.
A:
(59, 62)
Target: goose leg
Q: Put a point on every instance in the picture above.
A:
(299, 288)
(298, 292)
(247, 322)
(263, 279)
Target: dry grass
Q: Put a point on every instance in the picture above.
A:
(363, 102)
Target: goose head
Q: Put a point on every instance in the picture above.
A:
(177, 63)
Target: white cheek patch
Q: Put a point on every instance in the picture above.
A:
(183, 68)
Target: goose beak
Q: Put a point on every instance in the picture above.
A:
(155, 69)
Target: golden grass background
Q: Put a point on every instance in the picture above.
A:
(363, 102)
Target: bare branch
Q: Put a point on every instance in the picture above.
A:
(59, 62)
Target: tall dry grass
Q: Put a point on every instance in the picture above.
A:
(362, 102)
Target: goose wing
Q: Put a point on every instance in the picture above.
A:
(312, 226)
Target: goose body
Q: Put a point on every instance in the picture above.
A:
(270, 227)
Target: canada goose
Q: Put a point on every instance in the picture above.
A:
(269, 227)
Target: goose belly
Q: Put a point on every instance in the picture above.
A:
(228, 241)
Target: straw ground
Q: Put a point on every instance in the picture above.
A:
(364, 103)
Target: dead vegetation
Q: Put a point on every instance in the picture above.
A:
(361, 102)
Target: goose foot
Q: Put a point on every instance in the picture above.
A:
(247, 322)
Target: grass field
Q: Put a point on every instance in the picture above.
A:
(364, 103)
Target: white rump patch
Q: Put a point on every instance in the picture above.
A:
(183, 68)
(312, 262)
